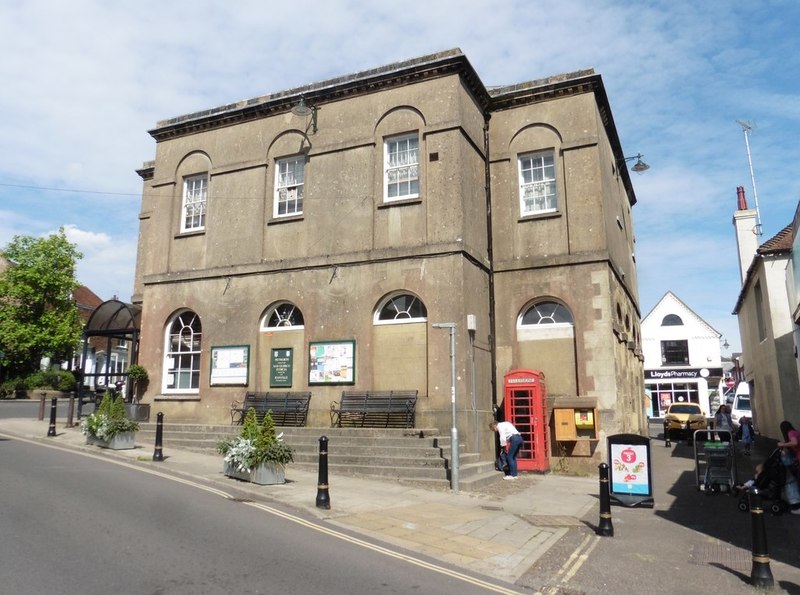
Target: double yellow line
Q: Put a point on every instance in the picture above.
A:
(293, 518)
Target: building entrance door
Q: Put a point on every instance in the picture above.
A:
(524, 405)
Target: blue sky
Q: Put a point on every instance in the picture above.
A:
(83, 81)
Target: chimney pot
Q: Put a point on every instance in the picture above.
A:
(741, 198)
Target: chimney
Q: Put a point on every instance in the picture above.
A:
(741, 198)
(744, 221)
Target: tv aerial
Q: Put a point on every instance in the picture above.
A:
(746, 128)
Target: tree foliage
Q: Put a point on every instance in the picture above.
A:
(38, 315)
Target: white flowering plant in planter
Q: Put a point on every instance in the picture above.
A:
(257, 443)
(109, 420)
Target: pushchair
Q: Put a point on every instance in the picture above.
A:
(770, 483)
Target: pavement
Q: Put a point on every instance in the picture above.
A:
(534, 533)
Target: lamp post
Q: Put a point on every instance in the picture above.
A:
(638, 167)
(303, 110)
(454, 430)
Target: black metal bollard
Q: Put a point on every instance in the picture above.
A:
(760, 575)
(51, 431)
(605, 528)
(323, 497)
(41, 406)
(71, 410)
(157, 454)
(666, 436)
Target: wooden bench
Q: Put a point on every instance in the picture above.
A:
(288, 408)
(375, 409)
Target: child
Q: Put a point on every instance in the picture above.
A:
(750, 482)
(746, 433)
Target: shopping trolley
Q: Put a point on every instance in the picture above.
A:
(715, 461)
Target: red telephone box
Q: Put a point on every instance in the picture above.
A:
(525, 406)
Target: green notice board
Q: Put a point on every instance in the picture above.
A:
(280, 367)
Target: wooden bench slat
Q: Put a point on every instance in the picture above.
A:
(375, 409)
(288, 408)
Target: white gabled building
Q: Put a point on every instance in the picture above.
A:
(682, 357)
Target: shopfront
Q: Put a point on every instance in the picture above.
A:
(665, 386)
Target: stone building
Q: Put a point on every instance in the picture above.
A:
(331, 226)
(765, 309)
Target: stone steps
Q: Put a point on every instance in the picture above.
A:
(418, 455)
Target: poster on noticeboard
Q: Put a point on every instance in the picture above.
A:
(630, 471)
(332, 362)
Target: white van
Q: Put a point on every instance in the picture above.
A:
(740, 406)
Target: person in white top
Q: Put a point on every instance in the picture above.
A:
(510, 442)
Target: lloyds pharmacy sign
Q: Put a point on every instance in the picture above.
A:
(684, 374)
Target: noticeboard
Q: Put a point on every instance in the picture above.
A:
(631, 474)
(229, 365)
(281, 364)
(332, 362)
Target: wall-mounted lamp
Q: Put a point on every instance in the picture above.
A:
(303, 110)
(725, 345)
(640, 166)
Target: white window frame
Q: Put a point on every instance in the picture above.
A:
(287, 314)
(401, 316)
(538, 191)
(289, 186)
(174, 360)
(546, 327)
(401, 167)
(195, 203)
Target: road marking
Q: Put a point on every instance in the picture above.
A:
(385, 551)
(287, 516)
(573, 563)
(121, 463)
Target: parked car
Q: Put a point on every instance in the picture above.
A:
(682, 419)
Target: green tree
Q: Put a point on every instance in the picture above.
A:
(38, 315)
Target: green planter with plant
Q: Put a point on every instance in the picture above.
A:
(137, 374)
(257, 454)
(110, 426)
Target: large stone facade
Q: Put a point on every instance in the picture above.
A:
(460, 245)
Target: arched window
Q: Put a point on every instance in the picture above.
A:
(282, 316)
(546, 313)
(672, 320)
(401, 308)
(182, 349)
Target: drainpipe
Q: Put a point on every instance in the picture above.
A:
(490, 257)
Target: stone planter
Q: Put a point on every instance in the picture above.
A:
(122, 441)
(264, 474)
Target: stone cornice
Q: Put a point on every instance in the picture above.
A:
(400, 74)
(566, 85)
(318, 94)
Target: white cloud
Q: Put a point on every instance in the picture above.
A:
(89, 78)
(107, 265)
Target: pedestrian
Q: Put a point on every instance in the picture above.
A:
(790, 446)
(723, 421)
(510, 442)
(743, 487)
(746, 434)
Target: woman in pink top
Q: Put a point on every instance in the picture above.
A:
(791, 459)
(791, 440)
